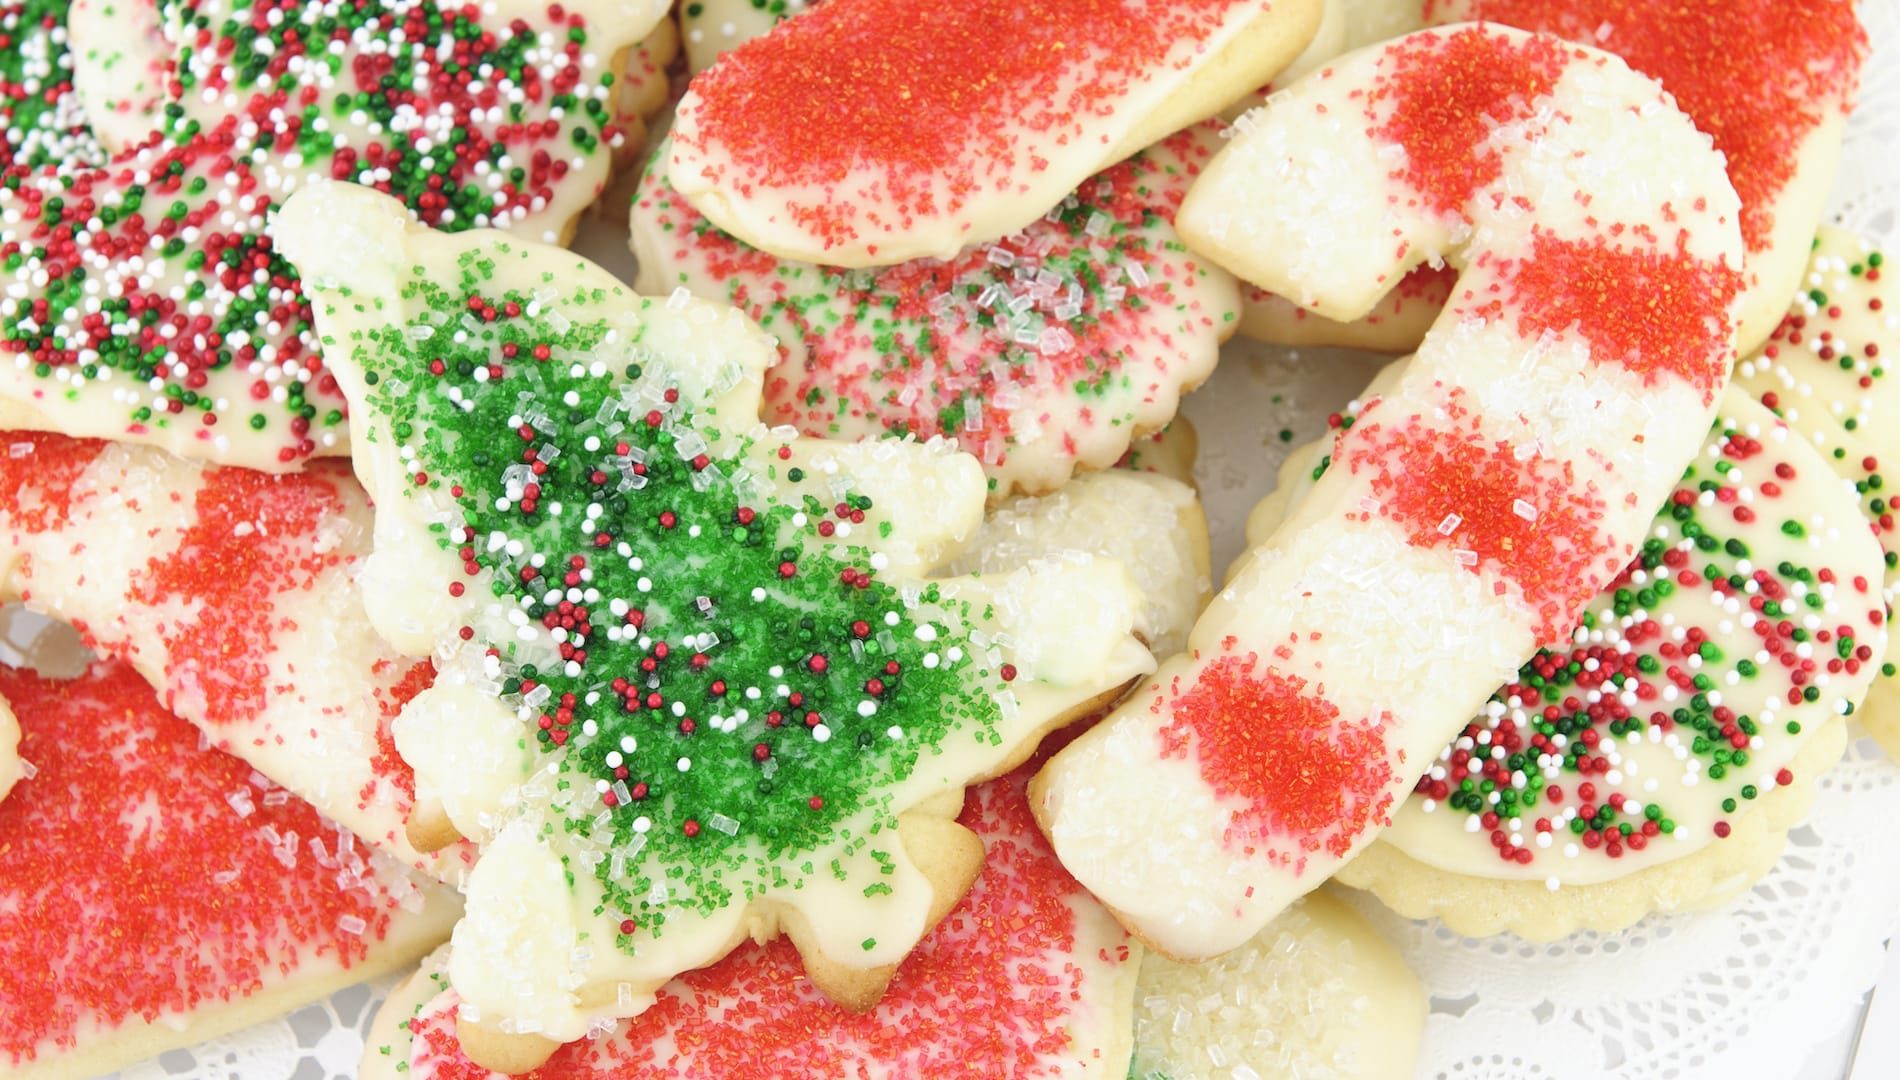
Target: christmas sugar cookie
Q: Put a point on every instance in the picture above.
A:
(1771, 82)
(696, 681)
(144, 301)
(1656, 758)
(1317, 993)
(233, 592)
(1824, 371)
(1026, 977)
(155, 893)
(891, 131)
(1045, 352)
(127, 49)
(1472, 511)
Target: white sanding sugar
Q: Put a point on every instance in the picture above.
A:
(1282, 1005)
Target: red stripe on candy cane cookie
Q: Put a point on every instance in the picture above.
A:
(1495, 486)
(1523, 519)
(1311, 782)
(1652, 313)
(1441, 100)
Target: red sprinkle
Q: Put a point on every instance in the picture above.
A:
(1311, 781)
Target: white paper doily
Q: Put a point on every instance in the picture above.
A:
(1747, 992)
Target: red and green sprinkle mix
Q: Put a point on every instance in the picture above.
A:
(42, 121)
(728, 681)
(1690, 628)
(145, 285)
(1058, 342)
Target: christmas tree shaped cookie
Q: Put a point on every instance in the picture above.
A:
(696, 681)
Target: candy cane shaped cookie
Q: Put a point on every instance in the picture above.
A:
(697, 680)
(155, 893)
(1770, 81)
(144, 302)
(232, 591)
(1046, 352)
(1825, 371)
(1472, 510)
(871, 132)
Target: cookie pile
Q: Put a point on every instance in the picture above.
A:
(804, 659)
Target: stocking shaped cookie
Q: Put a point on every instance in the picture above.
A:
(155, 892)
(1473, 509)
(696, 682)
(1046, 352)
(144, 302)
(1825, 371)
(869, 132)
(233, 593)
(1770, 82)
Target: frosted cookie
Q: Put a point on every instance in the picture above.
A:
(1026, 977)
(1476, 506)
(648, 83)
(889, 131)
(1824, 371)
(1046, 352)
(1318, 993)
(1770, 82)
(696, 681)
(1655, 760)
(233, 592)
(144, 302)
(155, 893)
(1149, 523)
